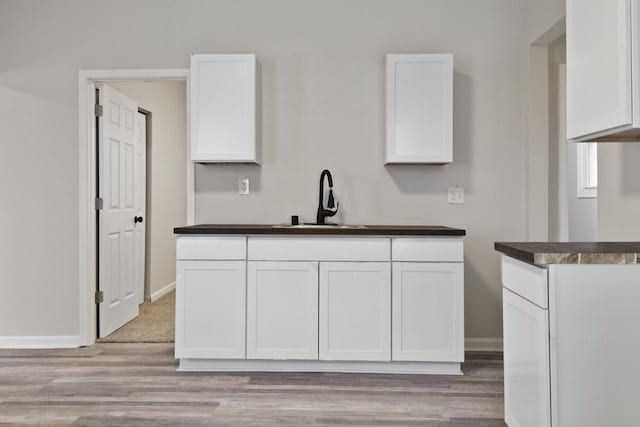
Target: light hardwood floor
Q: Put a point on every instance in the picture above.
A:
(137, 384)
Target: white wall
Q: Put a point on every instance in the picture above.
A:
(38, 214)
(541, 16)
(536, 147)
(323, 106)
(558, 144)
(544, 22)
(166, 173)
(571, 218)
(618, 192)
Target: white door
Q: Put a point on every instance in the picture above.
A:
(355, 311)
(428, 312)
(282, 310)
(116, 235)
(210, 309)
(140, 188)
(527, 389)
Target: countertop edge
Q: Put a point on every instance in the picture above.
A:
(576, 253)
(515, 253)
(268, 230)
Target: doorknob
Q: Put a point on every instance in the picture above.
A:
(137, 219)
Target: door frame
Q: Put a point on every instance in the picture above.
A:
(148, 120)
(87, 261)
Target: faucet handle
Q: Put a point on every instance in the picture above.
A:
(331, 201)
(333, 211)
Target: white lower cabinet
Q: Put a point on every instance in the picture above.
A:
(320, 304)
(526, 362)
(428, 312)
(210, 309)
(282, 310)
(571, 343)
(355, 311)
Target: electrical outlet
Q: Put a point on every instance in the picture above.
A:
(243, 186)
(456, 195)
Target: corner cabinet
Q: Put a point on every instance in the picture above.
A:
(570, 344)
(388, 304)
(603, 70)
(419, 109)
(223, 94)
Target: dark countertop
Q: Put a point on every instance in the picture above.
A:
(357, 230)
(541, 253)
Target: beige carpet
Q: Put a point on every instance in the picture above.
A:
(156, 323)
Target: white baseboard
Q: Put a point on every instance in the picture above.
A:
(483, 344)
(72, 341)
(163, 291)
(236, 365)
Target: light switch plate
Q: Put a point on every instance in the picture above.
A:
(243, 186)
(456, 195)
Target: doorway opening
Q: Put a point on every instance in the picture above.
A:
(573, 183)
(560, 176)
(136, 185)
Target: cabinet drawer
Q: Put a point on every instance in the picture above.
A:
(526, 280)
(427, 249)
(211, 247)
(318, 249)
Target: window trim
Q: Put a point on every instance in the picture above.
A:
(587, 170)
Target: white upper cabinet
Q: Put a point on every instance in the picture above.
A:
(223, 109)
(419, 108)
(603, 66)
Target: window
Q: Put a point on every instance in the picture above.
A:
(587, 170)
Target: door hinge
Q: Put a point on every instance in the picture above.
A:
(98, 110)
(99, 203)
(99, 297)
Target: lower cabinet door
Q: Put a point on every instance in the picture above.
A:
(355, 311)
(527, 390)
(428, 312)
(282, 310)
(210, 309)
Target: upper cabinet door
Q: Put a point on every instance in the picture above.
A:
(224, 125)
(600, 65)
(419, 108)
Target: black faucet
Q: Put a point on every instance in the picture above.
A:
(332, 208)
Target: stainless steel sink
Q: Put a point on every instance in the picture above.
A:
(316, 226)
